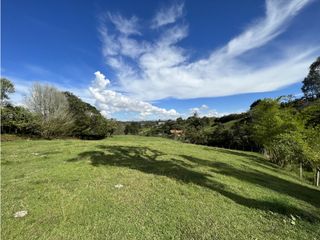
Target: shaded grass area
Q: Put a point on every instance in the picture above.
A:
(171, 191)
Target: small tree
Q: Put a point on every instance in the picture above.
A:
(289, 148)
(7, 87)
(269, 120)
(311, 84)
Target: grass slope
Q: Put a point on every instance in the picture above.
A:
(171, 190)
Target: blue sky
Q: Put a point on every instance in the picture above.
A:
(161, 59)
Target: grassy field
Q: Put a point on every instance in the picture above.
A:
(170, 190)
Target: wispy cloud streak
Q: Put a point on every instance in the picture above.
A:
(160, 68)
(167, 15)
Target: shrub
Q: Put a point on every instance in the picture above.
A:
(288, 148)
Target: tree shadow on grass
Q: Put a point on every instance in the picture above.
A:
(144, 159)
(258, 160)
(298, 191)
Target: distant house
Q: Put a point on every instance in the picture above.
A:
(176, 132)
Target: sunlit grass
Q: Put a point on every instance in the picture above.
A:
(170, 190)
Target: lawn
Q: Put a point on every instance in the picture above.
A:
(166, 190)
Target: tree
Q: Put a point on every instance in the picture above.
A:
(266, 121)
(289, 148)
(311, 84)
(88, 122)
(53, 108)
(132, 128)
(18, 120)
(47, 101)
(270, 120)
(7, 87)
(287, 135)
(311, 113)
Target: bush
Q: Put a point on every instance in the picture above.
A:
(288, 148)
(18, 120)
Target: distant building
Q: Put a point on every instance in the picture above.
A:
(176, 132)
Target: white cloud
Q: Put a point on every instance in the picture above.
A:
(199, 109)
(125, 26)
(109, 101)
(205, 111)
(153, 70)
(278, 14)
(167, 15)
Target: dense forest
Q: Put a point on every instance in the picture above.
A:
(285, 129)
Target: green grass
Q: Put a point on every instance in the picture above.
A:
(171, 190)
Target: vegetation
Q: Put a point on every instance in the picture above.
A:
(6, 88)
(170, 190)
(88, 121)
(51, 113)
(285, 129)
(311, 84)
(131, 187)
(52, 107)
(19, 120)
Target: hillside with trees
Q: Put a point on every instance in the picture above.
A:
(285, 129)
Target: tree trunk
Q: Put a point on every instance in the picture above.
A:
(318, 177)
(301, 170)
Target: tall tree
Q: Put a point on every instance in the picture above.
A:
(88, 121)
(52, 105)
(311, 84)
(7, 87)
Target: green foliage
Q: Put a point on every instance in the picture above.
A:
(132, 128)
(7, 87)
(311, 84)
(114, 127)
(311, 113)
(55, 127)
(88, 123)
(194, 130)
(53, 114)
(288, 148)
(270, 120)
(220, 136)
(266, 121)
(287, 135)
(195, 135)
(19, 120)
(312, 136)
(231, 117)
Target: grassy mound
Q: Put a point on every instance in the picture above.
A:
(130, 187)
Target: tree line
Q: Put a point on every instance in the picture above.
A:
(50, 113)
